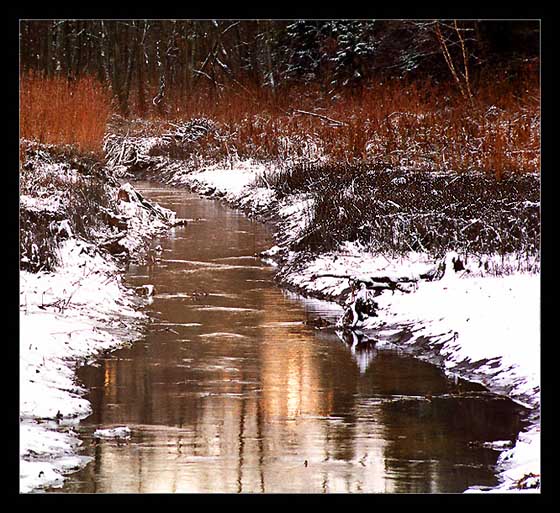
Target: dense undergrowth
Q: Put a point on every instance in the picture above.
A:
(64, 193)
(394, 212)
(54, 110)
(409, 124)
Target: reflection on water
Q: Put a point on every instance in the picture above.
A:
(232, 389)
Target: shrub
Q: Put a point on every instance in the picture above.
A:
(417, 125)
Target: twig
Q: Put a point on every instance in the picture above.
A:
(298, 111)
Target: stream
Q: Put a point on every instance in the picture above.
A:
(233, 389)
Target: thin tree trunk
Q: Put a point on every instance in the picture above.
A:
(140, 62)
(272, 79)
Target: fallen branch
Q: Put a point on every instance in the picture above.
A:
(371, 280)
(336, 122)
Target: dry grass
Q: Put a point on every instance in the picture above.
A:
(415, 125)
(393, 212)
(58, 111)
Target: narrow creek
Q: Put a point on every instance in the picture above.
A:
(232, 389)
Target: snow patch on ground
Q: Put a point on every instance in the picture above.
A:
(493, 319)
(235, 186)
(520, 465)
(66, 317)
(116, 432)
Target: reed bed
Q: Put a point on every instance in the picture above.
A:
(54, 110)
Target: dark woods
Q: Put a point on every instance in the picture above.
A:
(152, 65)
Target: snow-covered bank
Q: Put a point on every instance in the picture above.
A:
(462, 318)
(66, 318)
(473, 323)
(70, 315)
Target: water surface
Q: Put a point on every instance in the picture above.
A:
(232, 389)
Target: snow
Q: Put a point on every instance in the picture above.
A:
(43, 443)
(234, 185)
(142, 222)
(50, 204)
(116, 432)
(493, 318)
(521, 464)
(66, 317)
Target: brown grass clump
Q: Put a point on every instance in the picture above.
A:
(58, 111)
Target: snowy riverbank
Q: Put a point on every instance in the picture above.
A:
(96, 314)
(473, 323)
(68, 316)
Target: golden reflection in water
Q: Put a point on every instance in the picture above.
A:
(257, 438)
(289, 368)
(110, 381)
(260, 422)
(297, 399)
